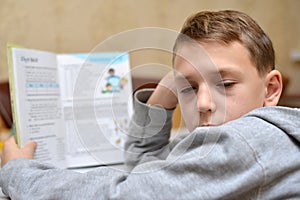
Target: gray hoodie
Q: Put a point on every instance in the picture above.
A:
(254, 157)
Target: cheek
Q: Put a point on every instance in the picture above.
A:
(232, 112)
(189, 113)
(244, 99)
(240, 106)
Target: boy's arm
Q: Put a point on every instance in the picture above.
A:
(151, 123)
(230, 162)
(210, 176)
(149, 131)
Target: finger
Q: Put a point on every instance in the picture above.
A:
(169, 82)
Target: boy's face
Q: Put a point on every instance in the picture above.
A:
(216, 83)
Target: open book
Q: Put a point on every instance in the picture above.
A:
(75, 106)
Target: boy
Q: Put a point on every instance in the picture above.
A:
(223, 69)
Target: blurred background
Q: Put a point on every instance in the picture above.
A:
(71, 26)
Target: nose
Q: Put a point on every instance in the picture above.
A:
(204, 100)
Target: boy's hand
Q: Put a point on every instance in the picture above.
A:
(11, 151)
(165, 94)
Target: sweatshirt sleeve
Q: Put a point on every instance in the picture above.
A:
(231, 161)
(216, 169)
(149, 131)
(29, 179)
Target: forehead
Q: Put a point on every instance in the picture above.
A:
(211, 58)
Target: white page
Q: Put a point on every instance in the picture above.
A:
(96, 135)
(38, 104)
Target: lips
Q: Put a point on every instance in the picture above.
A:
(206, 125)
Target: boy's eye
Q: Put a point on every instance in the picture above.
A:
(226, 84)
(187, 89)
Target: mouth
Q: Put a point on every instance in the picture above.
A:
(206, 125)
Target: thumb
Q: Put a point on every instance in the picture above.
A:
(30, 148)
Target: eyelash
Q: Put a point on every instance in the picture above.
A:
(223, 84)
(187, 89)
(226, 84)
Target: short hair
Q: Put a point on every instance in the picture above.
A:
(227, 26)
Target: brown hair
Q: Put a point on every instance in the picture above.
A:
(228, 26)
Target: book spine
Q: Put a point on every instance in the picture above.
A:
(12, 92)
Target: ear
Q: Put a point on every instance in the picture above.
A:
(273, 88)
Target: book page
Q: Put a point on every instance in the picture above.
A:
(37, 103)
(96, 126)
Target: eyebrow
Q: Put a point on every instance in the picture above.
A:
(229, 71)
(181, 77)
(224, 71)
